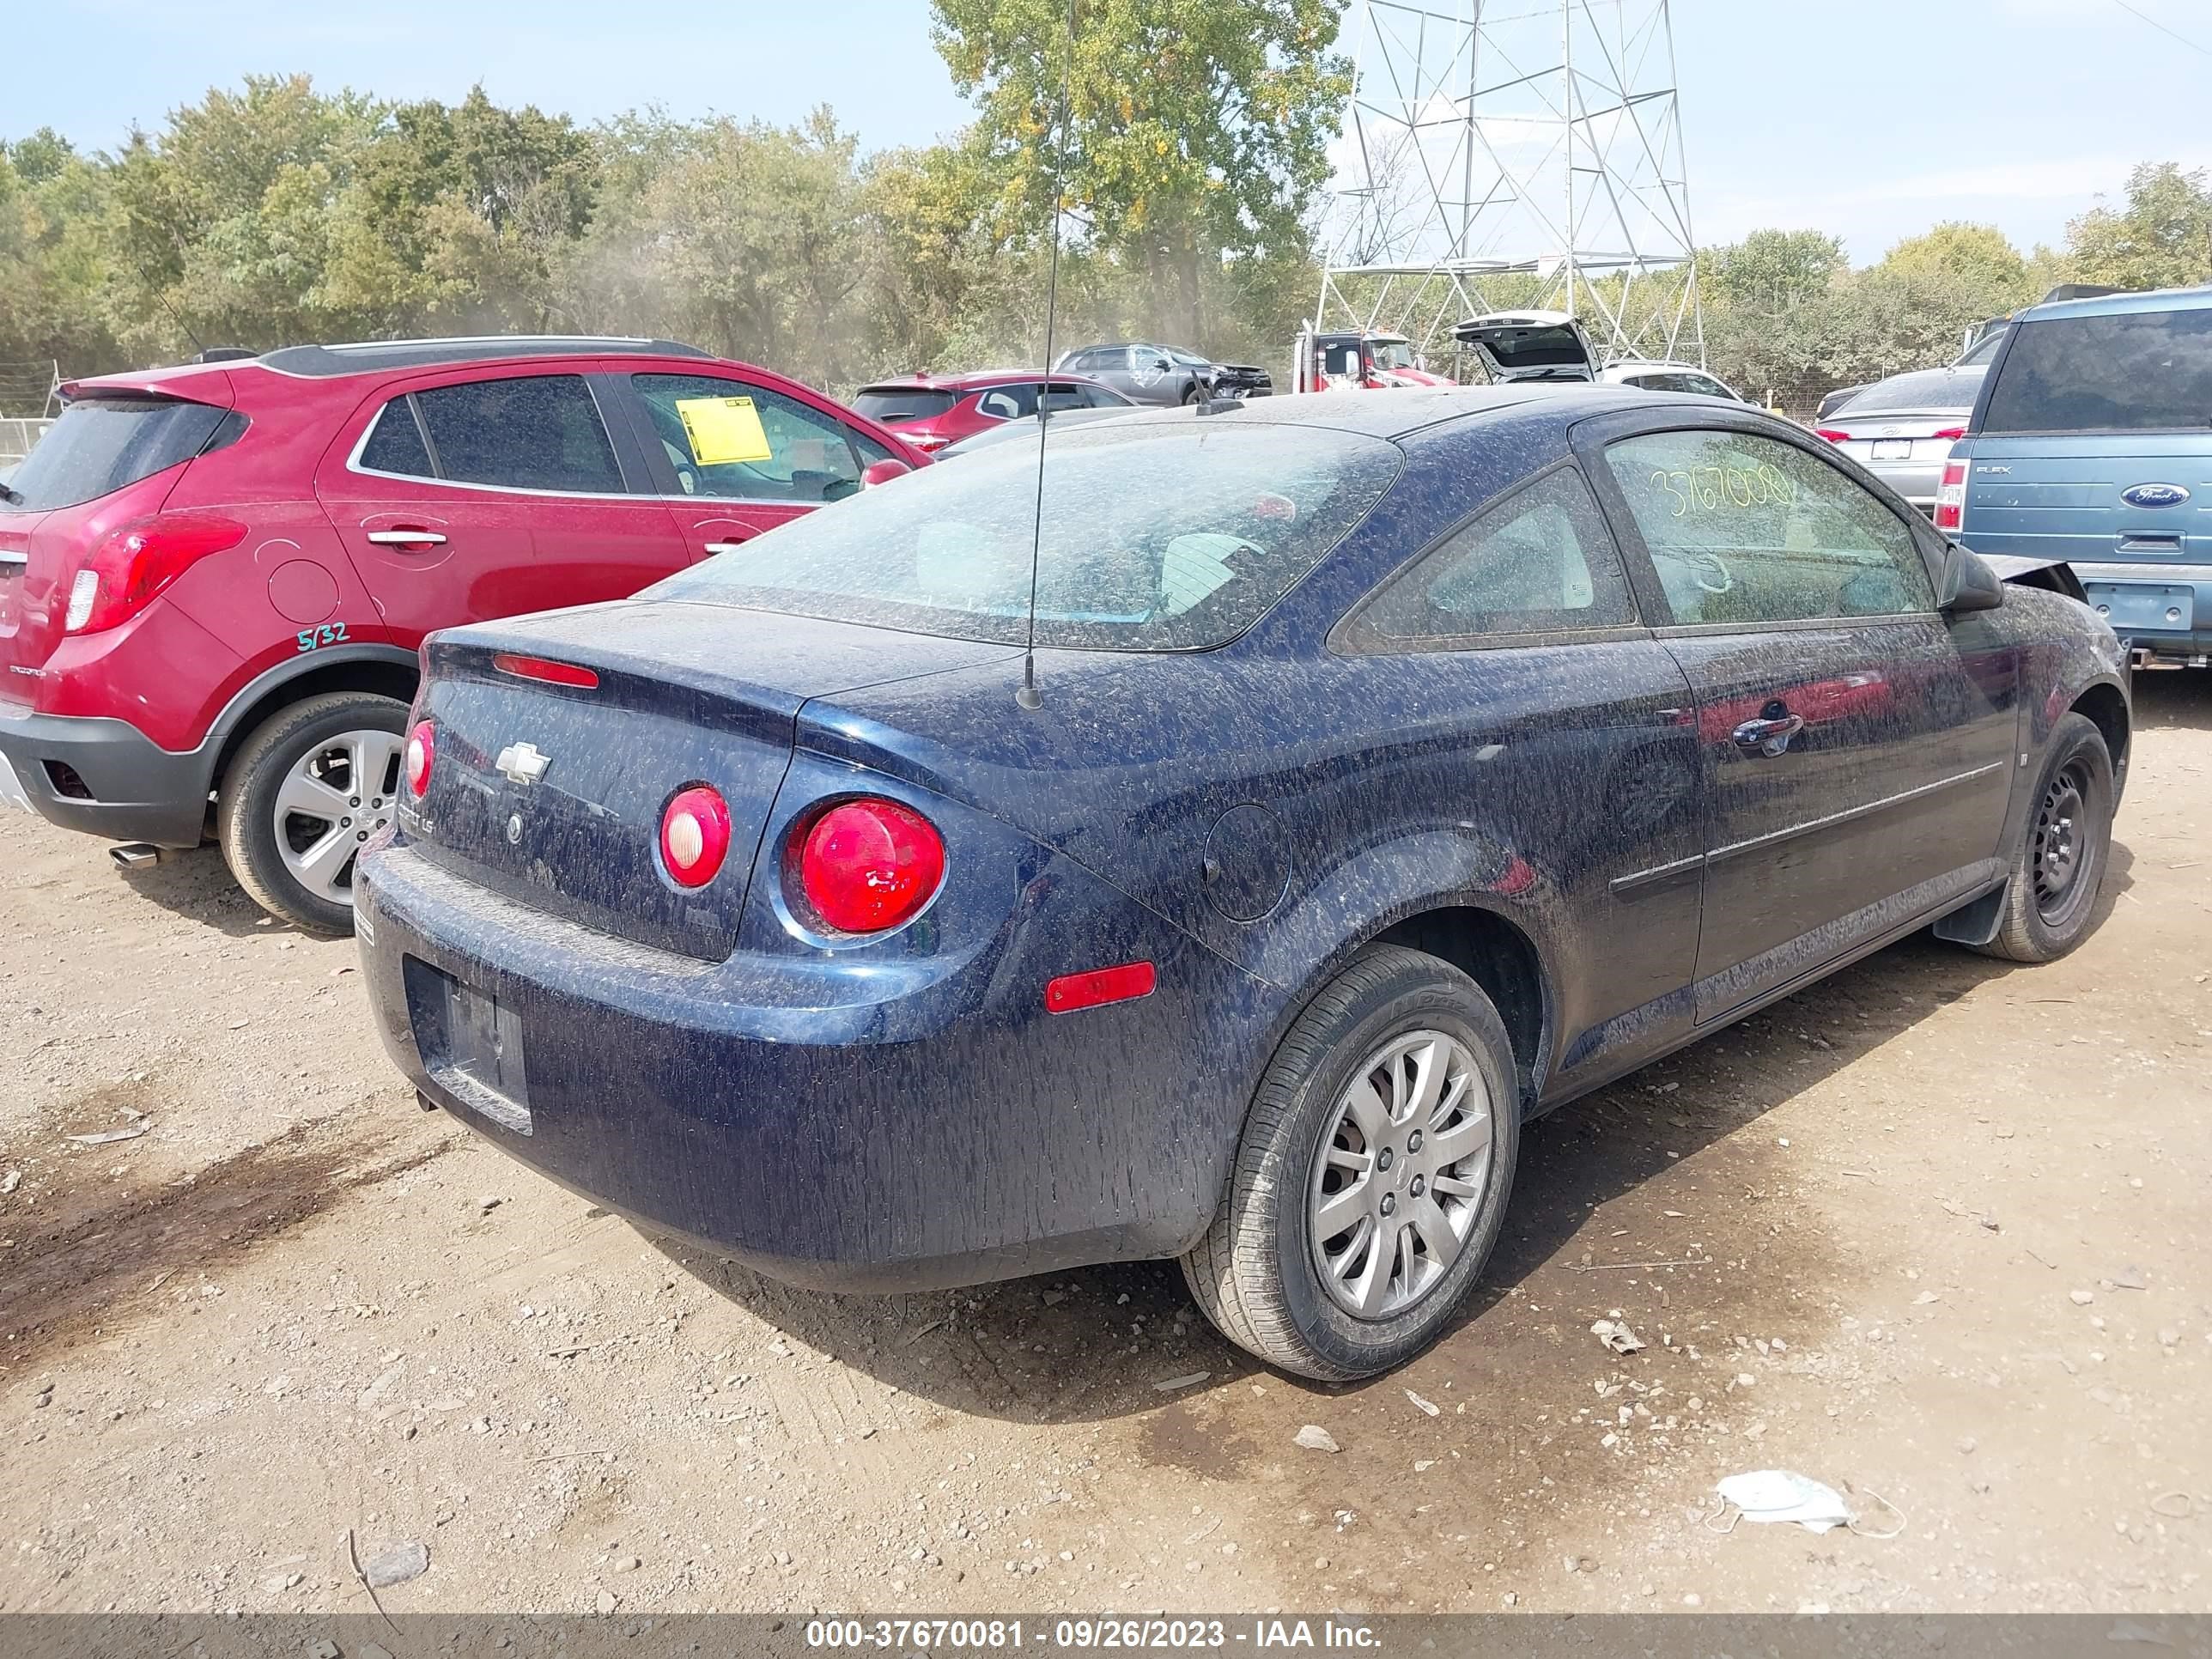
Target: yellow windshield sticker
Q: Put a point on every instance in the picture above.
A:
(723, 429)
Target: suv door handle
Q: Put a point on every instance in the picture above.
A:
(406, 537)
(723, 547)
(1768, 737)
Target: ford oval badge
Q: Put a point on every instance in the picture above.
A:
(2155, 495)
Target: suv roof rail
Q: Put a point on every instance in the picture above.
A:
(360, 357)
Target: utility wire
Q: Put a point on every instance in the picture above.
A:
(2145, 17)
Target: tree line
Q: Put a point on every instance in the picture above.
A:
(1190, 165)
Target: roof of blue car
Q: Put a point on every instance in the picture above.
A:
(2121, 305)
(1400, 412)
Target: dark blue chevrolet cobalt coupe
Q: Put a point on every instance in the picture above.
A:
(1402, 766)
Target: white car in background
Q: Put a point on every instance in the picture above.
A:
(1669, 377)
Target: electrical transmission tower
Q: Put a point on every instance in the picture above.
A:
(1514, 155)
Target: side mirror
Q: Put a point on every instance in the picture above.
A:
(1162, 364)
(881, 472)
(1967, 584)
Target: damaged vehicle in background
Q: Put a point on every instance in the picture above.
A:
(1385, 770)
(1148, 373)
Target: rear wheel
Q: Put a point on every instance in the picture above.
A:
(310, 785)
(2058, 865)
(1372, 1175)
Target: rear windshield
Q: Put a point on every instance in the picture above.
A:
(1155, 539)
(101, 444)
(891, 404)
(2129, 372)
(1932, 389)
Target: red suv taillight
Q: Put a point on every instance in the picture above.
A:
(1951, 496)
(138, 560)
(695, 836)
(868, 865)
(421, 755)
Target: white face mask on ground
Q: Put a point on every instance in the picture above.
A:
(1784, 1495)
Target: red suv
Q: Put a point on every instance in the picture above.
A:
(214, 578)
(932, 410)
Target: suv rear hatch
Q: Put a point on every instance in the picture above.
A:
(112, 458)
(1530, 345)
(2092, 443)
(552, 794)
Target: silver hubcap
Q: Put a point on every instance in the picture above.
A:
(1403, 1170)
(337, 796)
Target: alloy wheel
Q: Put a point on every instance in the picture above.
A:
(1401, 1174)
(336, 796)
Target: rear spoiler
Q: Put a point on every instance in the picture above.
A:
(193, 383)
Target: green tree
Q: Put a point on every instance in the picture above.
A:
(2162, 237)
(1979, 257)
(1197, 129)
(741, 237)
(1769, 269)
(224, 220)
(458, 215)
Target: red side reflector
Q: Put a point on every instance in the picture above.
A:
(1126, 983)
(539, 668)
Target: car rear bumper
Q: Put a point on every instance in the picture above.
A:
(2164, 610)
(103, 776)
(916, 1125)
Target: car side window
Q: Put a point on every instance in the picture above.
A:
(732, 440)
(1748, 529)
(1705, 386)
(395, 444)
(1540, 561)
(526, 432)
(1008, 402)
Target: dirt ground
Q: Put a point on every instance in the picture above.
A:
(1940, 1217)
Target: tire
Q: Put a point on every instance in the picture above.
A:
(2074, 790)
(321, 740)
(1193, 392)
(1259, 1273)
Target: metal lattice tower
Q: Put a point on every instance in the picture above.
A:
(1514, 155)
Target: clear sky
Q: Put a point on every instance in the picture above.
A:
(1869, 118)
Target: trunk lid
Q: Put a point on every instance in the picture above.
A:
(689, 693)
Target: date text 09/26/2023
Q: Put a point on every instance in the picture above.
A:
(986, 1635)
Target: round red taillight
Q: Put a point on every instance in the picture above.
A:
(869, 865)
(695, 836)
(422, 753)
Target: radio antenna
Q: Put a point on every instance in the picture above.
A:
(1029, 696)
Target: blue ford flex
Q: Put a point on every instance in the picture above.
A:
(2092, 442)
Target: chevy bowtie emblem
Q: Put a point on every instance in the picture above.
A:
(520, 762)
